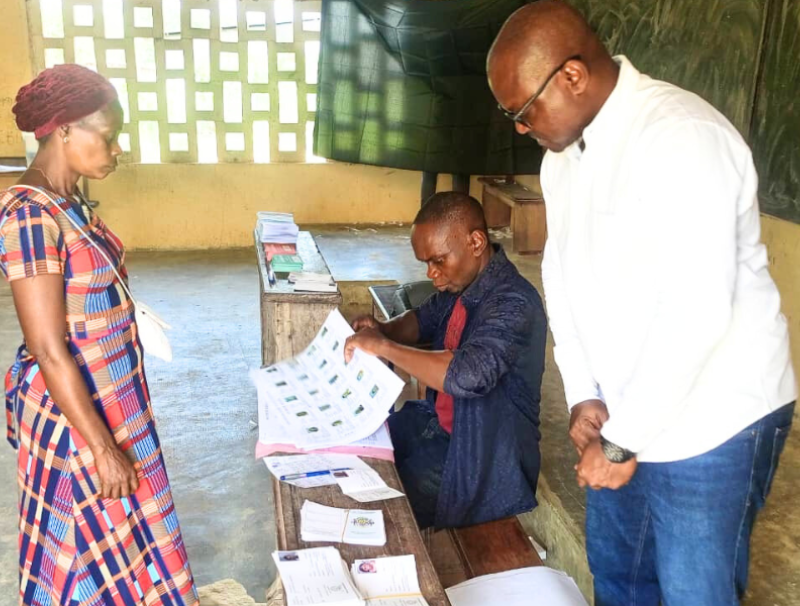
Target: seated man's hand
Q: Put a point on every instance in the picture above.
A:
(368, 340)
(585, 423)
(596, 471)
(362, 322)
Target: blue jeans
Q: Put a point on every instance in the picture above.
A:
(420, 453)
(679, 533)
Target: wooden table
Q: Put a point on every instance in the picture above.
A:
(513, 204)
(290, 320)
(402, 534)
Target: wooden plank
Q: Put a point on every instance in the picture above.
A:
(496, 211)
(529, 228)
(494, 547)
(402, 534)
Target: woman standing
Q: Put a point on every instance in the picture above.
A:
(97, 523)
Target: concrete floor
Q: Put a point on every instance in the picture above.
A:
(205, 408)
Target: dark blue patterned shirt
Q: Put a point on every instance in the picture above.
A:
(495, 379)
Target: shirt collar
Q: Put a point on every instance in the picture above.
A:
(493, 274)
(613, 110)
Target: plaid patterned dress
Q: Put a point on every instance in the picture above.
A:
(76, 549)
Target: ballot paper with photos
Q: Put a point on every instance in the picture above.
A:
(316, 577)
(388, 581)
(316, 401)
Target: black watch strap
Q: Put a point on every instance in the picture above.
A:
(614, 453)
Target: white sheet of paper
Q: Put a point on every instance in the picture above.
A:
(537, 586)
(316, 401)
(283, 465)
(353, 526)
(389, 581)
(365, 485)
(316, 576)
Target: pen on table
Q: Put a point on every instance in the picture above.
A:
(312, 474)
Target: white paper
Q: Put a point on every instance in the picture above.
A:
(316, 576)
(313, 286)
(284, 465)
(365, 485)
(316, 401)
(353, 526)
(390, 581)
(537, 586)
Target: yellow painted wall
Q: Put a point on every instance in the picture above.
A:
(783, 243)
(15, 70)
(180, 206)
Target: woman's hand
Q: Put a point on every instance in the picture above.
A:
(117, 474)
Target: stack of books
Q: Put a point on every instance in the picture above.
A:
(277, 228)
(286, 263)
(278, 235)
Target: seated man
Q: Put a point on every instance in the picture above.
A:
(469, 453)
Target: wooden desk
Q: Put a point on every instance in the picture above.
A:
(290, 320)
(402, 534)
(513, 204)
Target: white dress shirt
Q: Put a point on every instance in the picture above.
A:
(656, 281)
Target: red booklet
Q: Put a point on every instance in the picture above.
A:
(271, 249)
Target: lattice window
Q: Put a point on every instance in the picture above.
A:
(200, 80)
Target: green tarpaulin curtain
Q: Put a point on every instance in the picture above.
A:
(402, 84)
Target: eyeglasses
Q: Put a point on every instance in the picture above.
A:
(517, 116)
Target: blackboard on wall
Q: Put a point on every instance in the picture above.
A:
(743, 56)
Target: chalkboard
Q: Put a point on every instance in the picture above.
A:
(775, 135)
(743, 56)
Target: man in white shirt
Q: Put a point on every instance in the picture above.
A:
(667, 325)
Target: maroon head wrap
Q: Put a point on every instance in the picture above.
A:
(61, 95)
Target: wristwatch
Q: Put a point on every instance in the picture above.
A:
(614, 453)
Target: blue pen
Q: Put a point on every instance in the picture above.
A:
(312, 474)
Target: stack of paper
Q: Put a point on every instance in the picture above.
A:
(287, 263)
(390, 581)
(312, 282)
(376, 446)
(354, 526)
(364, 485)
(277, 228)
(538, 586)
(318, 576)
(316, 401)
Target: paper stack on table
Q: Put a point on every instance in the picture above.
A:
(537, 586)
(353, 526)
(390, 581)
(312, 282)
(316, 401)
(364, 485)
(316, 577)
(277, 228)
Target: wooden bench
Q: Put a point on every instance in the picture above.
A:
(459, 554)
(508, 203)
(402, 534)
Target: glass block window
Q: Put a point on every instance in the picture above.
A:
(200, 81)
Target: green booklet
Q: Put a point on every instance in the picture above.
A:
(286, 263)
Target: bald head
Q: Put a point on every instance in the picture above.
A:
(540, 35)
(550, 39)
